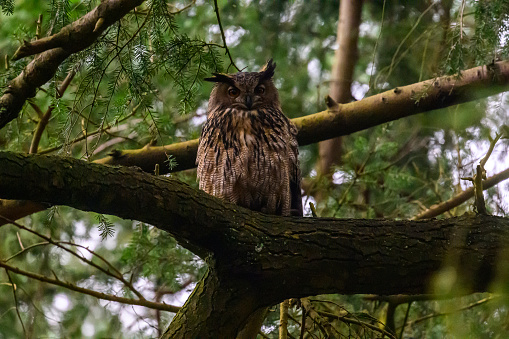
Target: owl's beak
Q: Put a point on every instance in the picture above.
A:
(249, 101)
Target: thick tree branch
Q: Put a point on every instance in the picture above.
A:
(249, 253)
(55, 49)
(338, 120)
(344, 256)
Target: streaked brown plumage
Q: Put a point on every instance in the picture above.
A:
(248, 151)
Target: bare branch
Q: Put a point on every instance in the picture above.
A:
(216, 9)
(117, 275)
(441, 314)
(99, 295)
(16, 301)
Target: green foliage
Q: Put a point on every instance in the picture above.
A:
(7, 6)
(105, 226)
(154, 254)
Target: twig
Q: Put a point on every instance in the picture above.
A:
(441, 314)
(91, 134)
(43, 122)
(44, 118)
(323, 325)
(26, 249)
(178, 11)
(480, 205)
(313, 210)
(392, 65)
(493, 143)
(405, 320)
(118, 275)
(478, 177)
(405, 299)
(104, 296)
(463, 2)
(460, 198)
(38, 28)
(16, 301)
(65, 83)
(349, 320)
(216, 9)
(303, 324)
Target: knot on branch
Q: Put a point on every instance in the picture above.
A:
(332, 105)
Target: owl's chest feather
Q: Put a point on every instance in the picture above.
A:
(247, 158)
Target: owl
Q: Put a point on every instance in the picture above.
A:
(248, 150)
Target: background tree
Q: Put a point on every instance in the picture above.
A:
(139, 86)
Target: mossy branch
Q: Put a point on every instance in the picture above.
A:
(343, 119)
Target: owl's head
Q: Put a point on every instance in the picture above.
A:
(244, 90)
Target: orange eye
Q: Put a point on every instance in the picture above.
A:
(233, 92)
(260, 90)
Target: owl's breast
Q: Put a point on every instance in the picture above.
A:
(248, 161)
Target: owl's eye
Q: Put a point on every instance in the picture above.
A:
(259, 89)
(233, 92)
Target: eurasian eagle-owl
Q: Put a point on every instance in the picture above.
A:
(248, 151)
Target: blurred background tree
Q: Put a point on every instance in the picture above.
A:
(141, 84)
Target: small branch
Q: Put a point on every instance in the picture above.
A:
(103, 129)
(44, 118)
(462, 10)
(493, 143)
(178, 11)
(117, 276)
(99, 295)
(25, 249)
(38, 28)
(303, 324)
(477, 179)
(43, 122)
(441, 314)
(405, 299)
(216, 9)
(16, 301)
(407, 313)
(36, 108)
(480, 205)
(283, 319)
(324, 326)
(390, 322)
(349, 320)
(65, 83)
(460, 198)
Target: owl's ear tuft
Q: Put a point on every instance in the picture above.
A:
(220, 77)
(268, 70)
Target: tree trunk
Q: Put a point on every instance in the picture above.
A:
(341, 77)
(218, 308)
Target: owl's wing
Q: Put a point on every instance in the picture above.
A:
(296, 196)
(295, 191)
